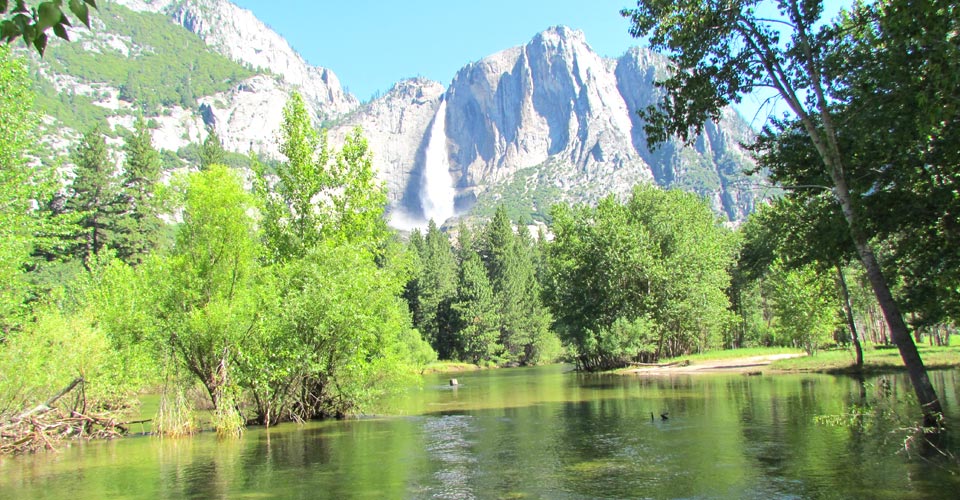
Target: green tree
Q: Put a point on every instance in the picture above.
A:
(799, 230)
(211, 308)
(337, 337)
(93, 193)
(358, 200)
(19, 184)
(476, 311)
(32, 23)
(658, 263)
(721, 51)
(336, 333)
(211, 151)
(511, 266)
(140, 226)
(437, 290)
(805, 305)
(293, 219)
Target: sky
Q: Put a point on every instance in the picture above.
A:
(372, 44)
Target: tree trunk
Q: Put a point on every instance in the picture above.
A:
(926, 394)
(848, 309)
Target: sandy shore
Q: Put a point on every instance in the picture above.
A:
(731, 365)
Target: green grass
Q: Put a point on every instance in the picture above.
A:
(882, 359)
(450, 367)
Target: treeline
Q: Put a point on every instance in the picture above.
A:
(480, 300)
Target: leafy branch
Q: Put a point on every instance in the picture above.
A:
(32, 23)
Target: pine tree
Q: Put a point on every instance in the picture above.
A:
(534, 320)
(140, 225)
(438, 286)
(93, 194)
(477, 321)
(512, 271)
(211, 151)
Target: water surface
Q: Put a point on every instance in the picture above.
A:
(535, 433)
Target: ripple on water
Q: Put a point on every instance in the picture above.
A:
(449, 444)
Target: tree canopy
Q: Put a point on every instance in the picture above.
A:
(32, 23)
(722, 50)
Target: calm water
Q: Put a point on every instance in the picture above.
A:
(532, 433)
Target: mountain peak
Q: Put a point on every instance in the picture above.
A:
(559, 35)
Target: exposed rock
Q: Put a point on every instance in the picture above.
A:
(551, 115)
(395, 126)
(562, 115)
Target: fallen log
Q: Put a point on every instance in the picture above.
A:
(685, 362)
(48, 404)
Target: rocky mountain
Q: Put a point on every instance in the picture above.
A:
(545, 122)
(529, 126)
(253, 109)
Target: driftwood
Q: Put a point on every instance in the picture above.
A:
(48, 404)
(41, 427)
(685, 362)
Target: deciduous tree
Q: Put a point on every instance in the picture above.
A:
(722, 50)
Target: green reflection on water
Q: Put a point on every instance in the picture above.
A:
(528, 433)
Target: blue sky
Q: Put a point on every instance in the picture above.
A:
(372, 44)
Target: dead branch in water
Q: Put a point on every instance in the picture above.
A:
(42, 427)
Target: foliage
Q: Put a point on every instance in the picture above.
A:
(334, 333)
(313, 198)
(611, 347)
(806, 308)
(511, 263)
(211, 151)
(660, 257)
(166, 65)
(32, 23)
(93, 194)
(437, 284)
(140, 226)
(723, 50)
(476, 313)
(31, 225)
(17, 185)
(480, 301)
(897, 62)
(337, 337)
(208, 309)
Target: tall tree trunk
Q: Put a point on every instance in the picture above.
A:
(848, 309)
(926, 394)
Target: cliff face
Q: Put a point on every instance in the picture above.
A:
(544, 122)
(556, 117)
(248, 116)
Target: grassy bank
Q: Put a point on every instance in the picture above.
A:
(876, 359)
(450, 367)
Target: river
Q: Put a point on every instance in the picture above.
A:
(541, 432)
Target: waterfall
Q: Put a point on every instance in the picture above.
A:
(436, 190)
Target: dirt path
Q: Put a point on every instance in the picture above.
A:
(731, 365)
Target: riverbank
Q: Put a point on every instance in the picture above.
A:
(877, 359)
(745, 364)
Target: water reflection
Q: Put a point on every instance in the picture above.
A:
(537, 433)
